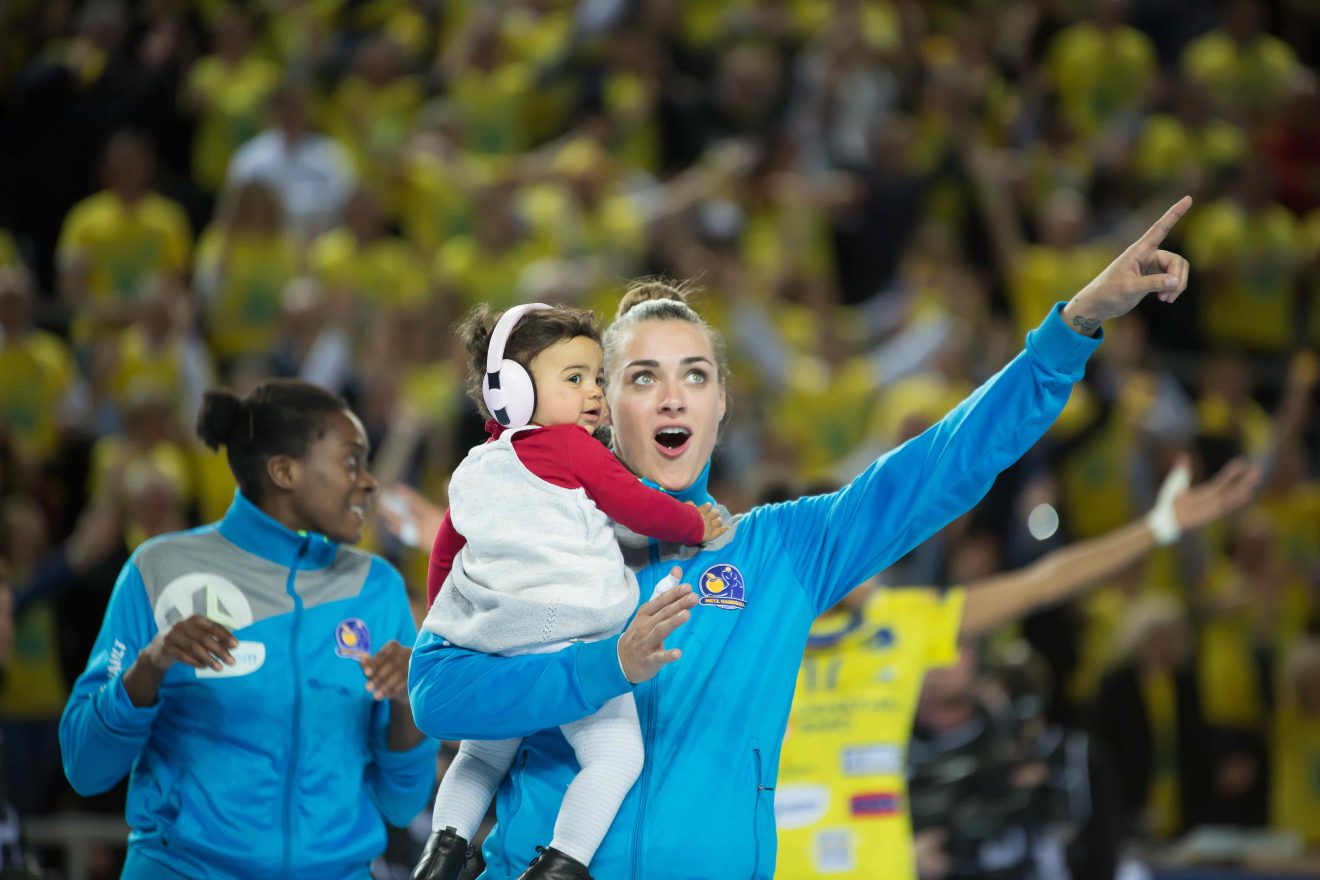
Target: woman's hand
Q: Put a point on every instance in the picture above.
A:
(642, 651)
(195, 641)
(387, 672)
(1141, 269)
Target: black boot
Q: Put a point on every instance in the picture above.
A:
(551, 864)
(445, 855)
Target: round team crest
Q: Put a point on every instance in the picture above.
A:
(353, 639)
(722, 585)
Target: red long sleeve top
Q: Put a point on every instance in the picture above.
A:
(568, 456)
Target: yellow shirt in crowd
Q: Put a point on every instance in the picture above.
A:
(386, 272)
(1099, 72)
(248, 273)
(841, 801)
(1295, 795)
(1159, 695)
(1240, 77)
(1046, 275)
(121, 246)
(1256, 254)
(233, 111)
(1167, 149)
(35, 374)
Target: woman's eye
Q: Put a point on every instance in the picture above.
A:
(643, 379)
(697, 377)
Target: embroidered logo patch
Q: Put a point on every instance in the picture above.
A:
(722, 585)
(352, 639)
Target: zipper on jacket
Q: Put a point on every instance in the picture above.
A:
(756, 813)
(648, 737)
(291, 766)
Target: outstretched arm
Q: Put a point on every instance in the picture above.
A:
(834, 542)
(994, 601)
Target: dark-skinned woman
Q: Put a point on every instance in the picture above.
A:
(251, 674)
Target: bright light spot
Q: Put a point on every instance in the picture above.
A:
(1043, 522)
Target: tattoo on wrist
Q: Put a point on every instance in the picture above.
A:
(1086, 325)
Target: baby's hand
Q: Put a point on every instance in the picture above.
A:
(714, 524)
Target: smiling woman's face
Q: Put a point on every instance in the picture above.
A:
(666, 401)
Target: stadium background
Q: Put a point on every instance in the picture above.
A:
(878, 199)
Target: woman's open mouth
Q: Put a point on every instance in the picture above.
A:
(671, 442)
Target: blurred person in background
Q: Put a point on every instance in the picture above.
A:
(312, 173)
(117, 242)
(265, 610)
(244, 260)
(1251, 248)
(361, 262)
(1296, 744)
(42, 396)
(1148, 713)
(1245, 70)
(226, 92)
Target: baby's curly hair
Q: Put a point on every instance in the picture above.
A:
(534, 333)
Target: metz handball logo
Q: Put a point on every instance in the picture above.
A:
(722, 585)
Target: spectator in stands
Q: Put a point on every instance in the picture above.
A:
(120, 240)
(312, 173)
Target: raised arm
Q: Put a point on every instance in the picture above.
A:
(836, 541)
(994, 601)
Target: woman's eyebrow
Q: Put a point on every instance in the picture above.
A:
(655, 365)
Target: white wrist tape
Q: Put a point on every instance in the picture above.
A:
(1162, 520)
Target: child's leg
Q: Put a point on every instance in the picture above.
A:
(470, 783)
(609, 748)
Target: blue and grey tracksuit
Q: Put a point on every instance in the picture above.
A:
(276, 767)
(712, 722)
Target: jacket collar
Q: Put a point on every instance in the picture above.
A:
(697, 493)
(252, 529)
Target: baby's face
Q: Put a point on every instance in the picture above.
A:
(570, 384)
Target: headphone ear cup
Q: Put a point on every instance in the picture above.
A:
(515, 398)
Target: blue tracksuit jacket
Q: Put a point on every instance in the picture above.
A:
(712, 722)
(278, 766)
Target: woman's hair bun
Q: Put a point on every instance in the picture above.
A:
(219, 414)
(648, 289)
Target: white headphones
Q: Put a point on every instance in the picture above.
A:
(508, 389)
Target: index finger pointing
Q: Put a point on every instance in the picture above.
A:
(1165, 224)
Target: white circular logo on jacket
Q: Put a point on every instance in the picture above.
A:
(205, 593)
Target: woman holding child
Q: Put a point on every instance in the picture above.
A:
(711, 723)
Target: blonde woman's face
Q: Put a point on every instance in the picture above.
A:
(666, 401)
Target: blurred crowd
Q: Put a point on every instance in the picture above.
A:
(878, 198)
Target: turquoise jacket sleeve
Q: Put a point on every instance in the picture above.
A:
(461, 694)
(101, 731)
(836, 541)
(400, 782)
